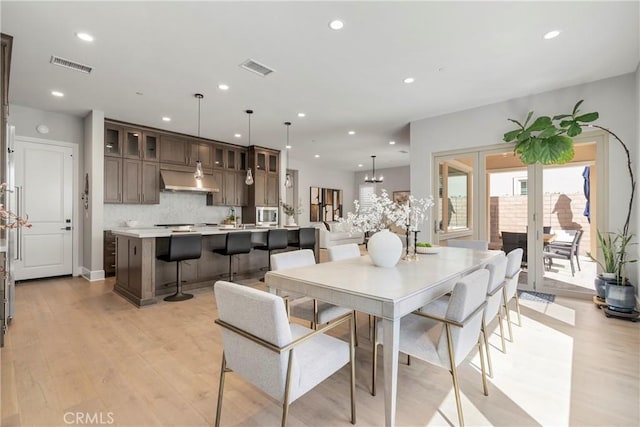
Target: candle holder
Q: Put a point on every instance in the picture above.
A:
(415, 242)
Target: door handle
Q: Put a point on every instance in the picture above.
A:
(68, 228)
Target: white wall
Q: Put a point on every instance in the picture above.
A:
(616, 99)
(310, 175)
(395, 179)
(62, 127)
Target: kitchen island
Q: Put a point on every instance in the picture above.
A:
(142, 279)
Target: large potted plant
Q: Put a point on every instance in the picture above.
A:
(549, 140)
(614, 258)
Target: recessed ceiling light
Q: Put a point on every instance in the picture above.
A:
(57, 93)
(551, 35)
(237, 135)
(392, 143)
(359, 165)
(409, 80)
(166, 119)
(302, 115)
(336, 24)
(316, 156)
(288, 147)
(223, 86)
(352, 132)
(85, 37)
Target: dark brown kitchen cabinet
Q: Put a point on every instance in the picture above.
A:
(173, 150)
(232, 189)
(200, 151)
(150, 186)
(150, 146)
(131, 181)
(113, 140)
(133, 269)
(229, 158)
(265, 191)
(112, 180)
(132, 143)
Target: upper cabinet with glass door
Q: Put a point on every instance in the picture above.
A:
(113, 140)
(150, 147)
(132, 144)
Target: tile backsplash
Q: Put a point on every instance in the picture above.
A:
(174, 208)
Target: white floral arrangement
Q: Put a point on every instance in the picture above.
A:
(384, 213)
(289, 210)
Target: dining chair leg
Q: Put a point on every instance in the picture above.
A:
(485, 389)
(374, 361)
(355, 326)
(578, 262)
(454, 375)
(486, 347)
(507, 311)
(518, 309)
(352, 357)
(287, 389)
(223, 370)
(408, 360)
(504, 347)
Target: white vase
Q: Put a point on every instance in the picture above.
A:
(385, 248)
(291, 220)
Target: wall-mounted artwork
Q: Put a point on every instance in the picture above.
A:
(401, 197)
(325, 204)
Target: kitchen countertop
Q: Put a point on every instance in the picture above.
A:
(152, 232)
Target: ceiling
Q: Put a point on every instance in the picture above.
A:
(150, 58)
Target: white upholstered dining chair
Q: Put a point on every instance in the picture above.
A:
(447, 340)
(283, 360)
(469, 244)
(300, 306)
(510, 290)
(497, 270)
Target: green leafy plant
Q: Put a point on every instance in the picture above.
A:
(548, 140)
(614, 254)
(423, 245)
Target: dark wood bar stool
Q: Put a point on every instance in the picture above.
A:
(181, 248)
(306, 238)
(237, 242)
(276, 239)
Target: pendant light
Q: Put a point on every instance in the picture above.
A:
(249, 179)
(198, 174)
(288, 180)
(373, 179)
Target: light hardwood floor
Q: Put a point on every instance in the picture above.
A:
(77, 348)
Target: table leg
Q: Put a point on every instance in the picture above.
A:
(390, 342)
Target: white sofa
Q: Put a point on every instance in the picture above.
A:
(339, 234)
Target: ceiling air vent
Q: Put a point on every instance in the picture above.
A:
(403, 151)
(256, 67)
(56, 60)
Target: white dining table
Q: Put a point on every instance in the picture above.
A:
(388, 293)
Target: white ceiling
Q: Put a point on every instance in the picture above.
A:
(462, 55)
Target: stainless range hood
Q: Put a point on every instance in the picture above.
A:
(184, 181)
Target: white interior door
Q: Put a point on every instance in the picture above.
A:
(43, 189)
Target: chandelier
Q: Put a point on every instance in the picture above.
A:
(373, 179)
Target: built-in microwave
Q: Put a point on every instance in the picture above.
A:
(266, 216)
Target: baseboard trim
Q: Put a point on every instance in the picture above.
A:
(92, 276)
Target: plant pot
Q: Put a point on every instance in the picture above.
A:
(620, 298)
(291, 221)
(385, 248)
(600, 283)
